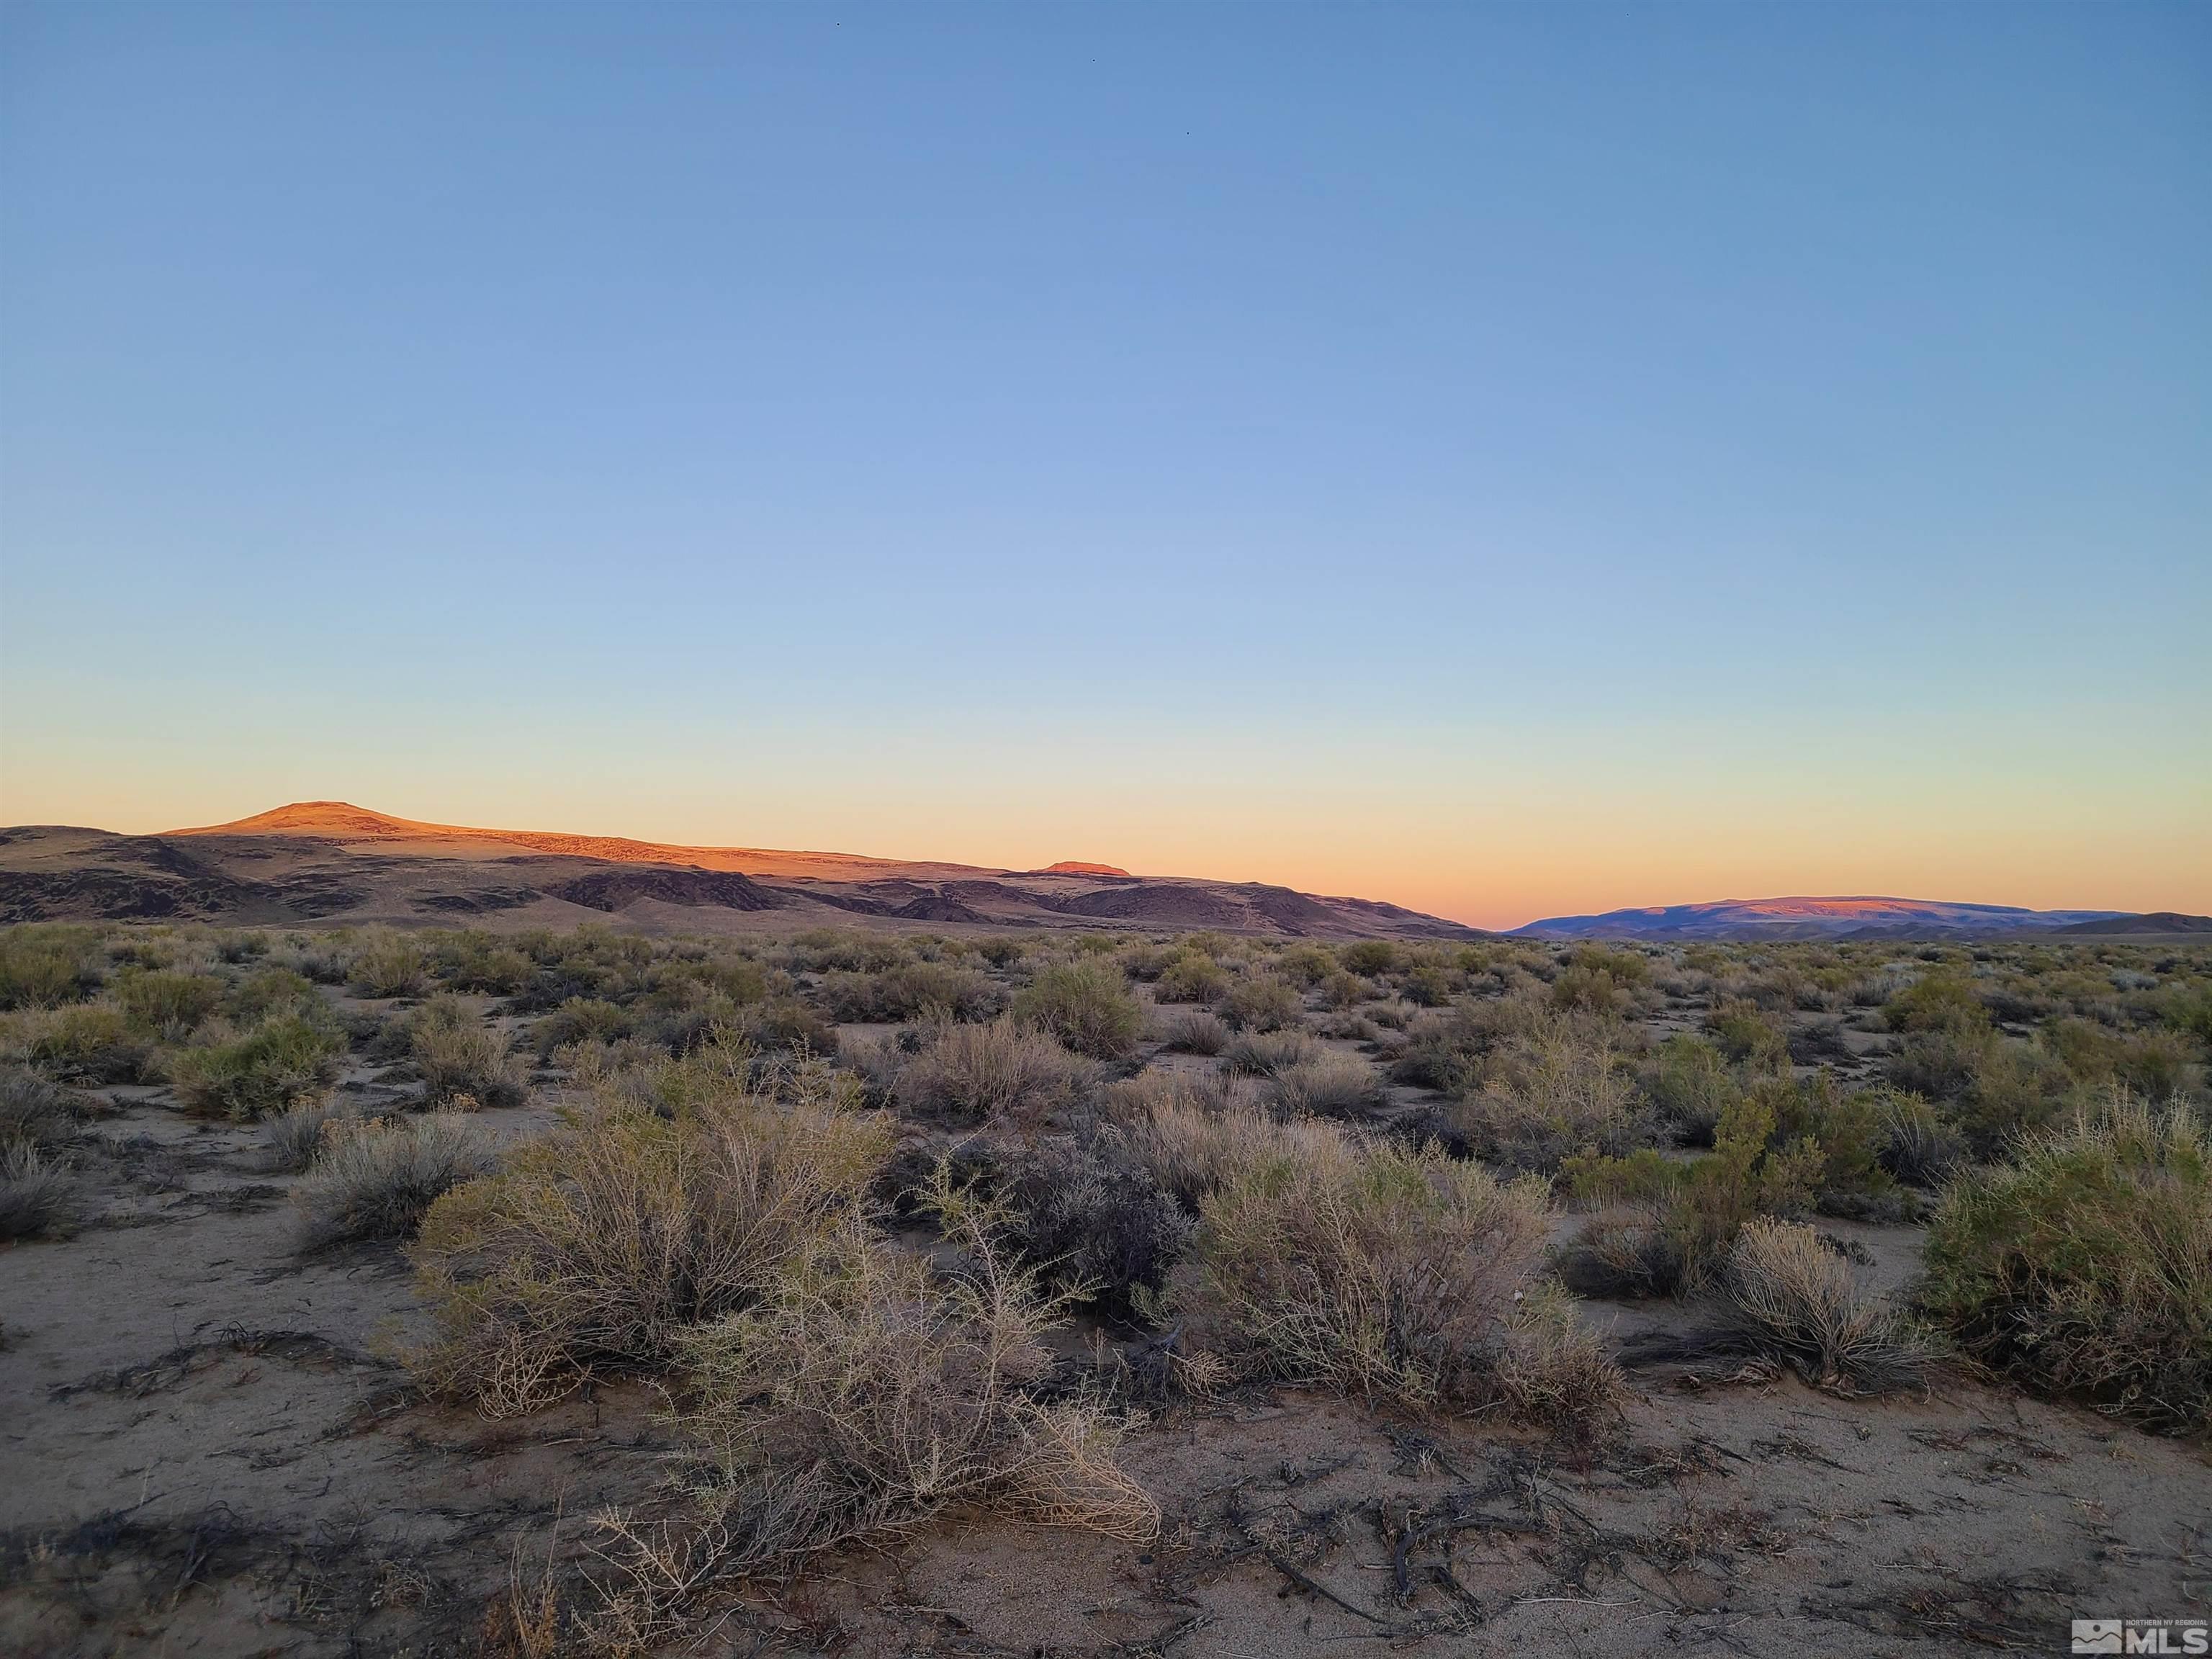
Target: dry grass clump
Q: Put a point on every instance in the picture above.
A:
(290, 1140)
(378, 1178)
(2084, 1266)
(1788, 1296)
(1328, 1086)
(1087, 1005)
(1193, 1134)
(601, 1242)
(1391, 1273)
(261, 1073)
(865, 1394)
(35, 1190)
(1556, 1089)
(465, 1063)
(1193, 1032)
(910, 991)
(387, 964)
(1265, 1054)
(34, 1111)
(982, 1074)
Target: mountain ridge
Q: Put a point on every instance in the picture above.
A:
(333, 862)
(1842, 917)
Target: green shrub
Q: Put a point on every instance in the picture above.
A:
(1191, 977)
(1690, 1086)
(1746, 1034)
(788, 1023)
(387, 964)
(1261, 1002)
(46, 966)
(2084, 1267)
(912, 990)
(1675, 1223)
(1307, 964)
(1087, 1005)
(1936, 1002)
(261, 995)
(88, 1042)
(1370, 957)
(169, 1004)
(580, 1019)
(1994, 1087)
(261, 1073)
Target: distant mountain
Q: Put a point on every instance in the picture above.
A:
(2156, 921)
(331, 861)
(1818, 919)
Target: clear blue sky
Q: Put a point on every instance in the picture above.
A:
(1511, 460)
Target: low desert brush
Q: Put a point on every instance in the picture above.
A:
(864, 1394)
(1193, 1032)
(1264, 1053)
(377, 1178)
(264, 1071)
(1262, 1002)
(1556, 1089)
(169, 1004)
(1193, 1136)
(89, 1043)
(1194, 976)
(1787, 1296)
(600, 1242)
(1094, 1223)
(1085, 1004)
(981, 1073)
(290, 1140)
(35, 1190)
(35, 1110)
(45, 966)
(2085, 1265)
(1328, 1086)
(1393, 1274)
(464, 1064)
(387, 964)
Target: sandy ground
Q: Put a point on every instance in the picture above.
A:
(210, 1450)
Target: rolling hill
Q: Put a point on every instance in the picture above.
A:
(332, 862)
(1822, 919)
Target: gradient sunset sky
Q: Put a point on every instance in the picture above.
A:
(1509, 461)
